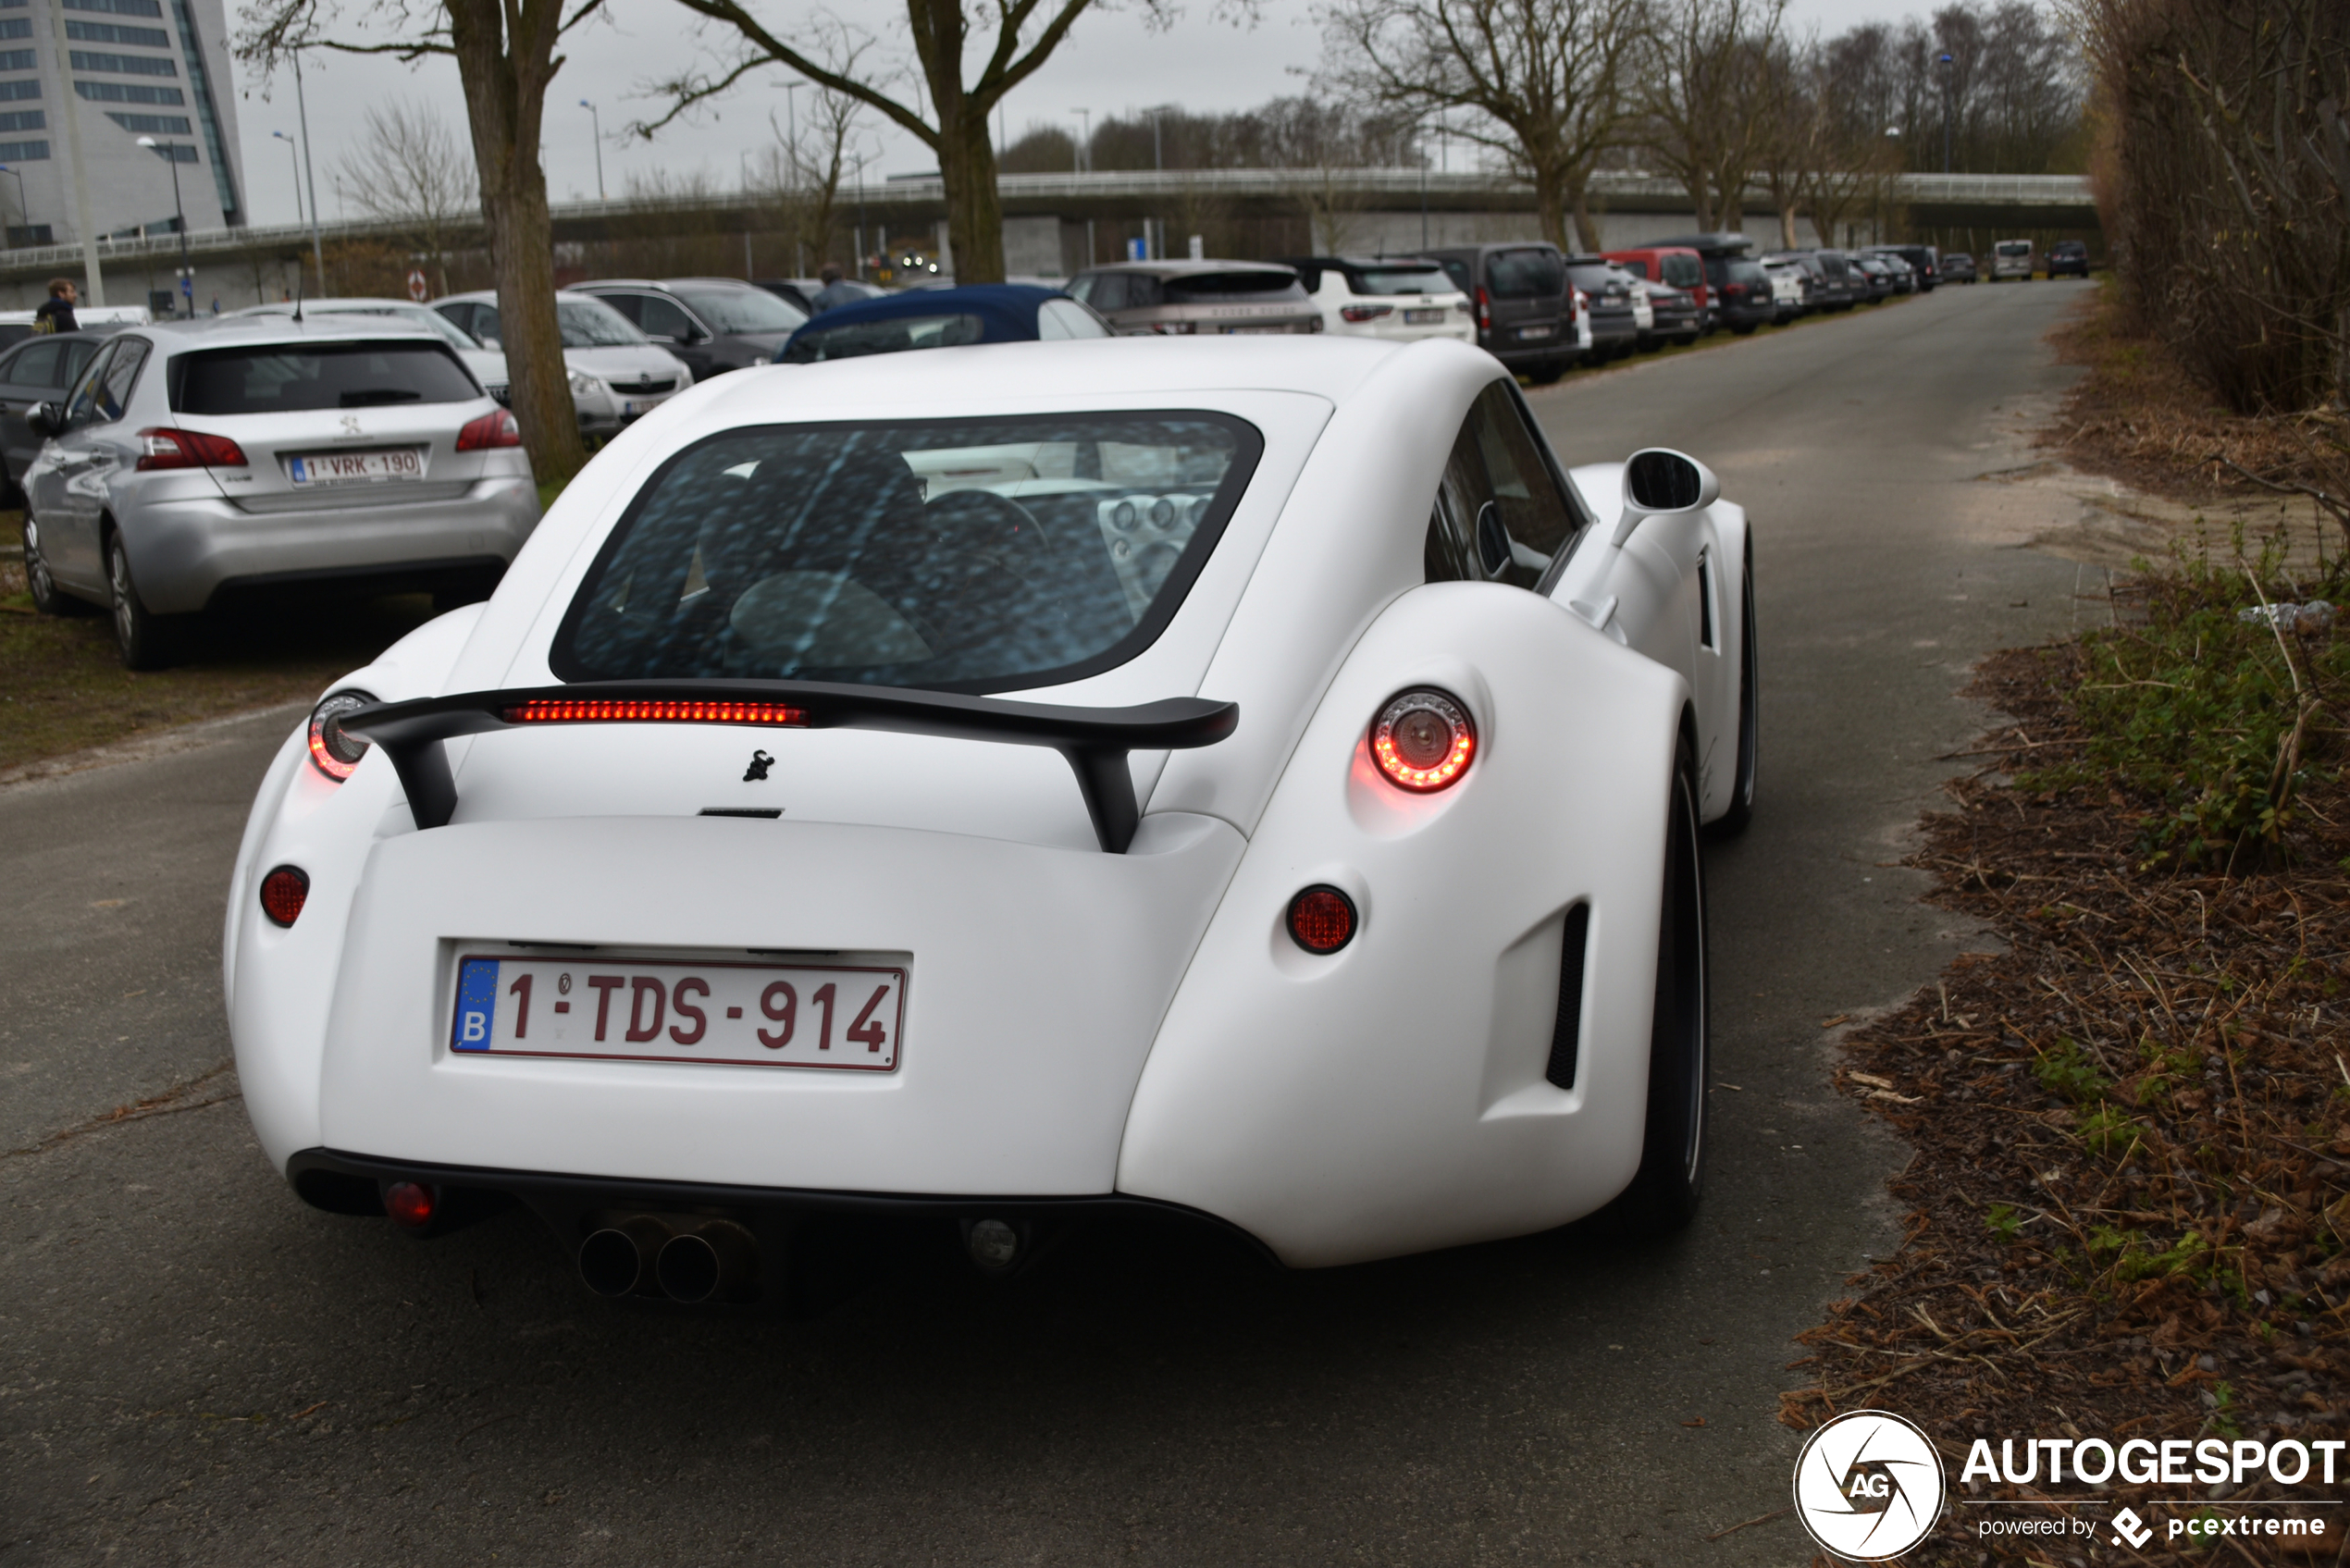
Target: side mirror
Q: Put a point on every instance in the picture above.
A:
(47, 419)
(492, 344)
(1660, 481)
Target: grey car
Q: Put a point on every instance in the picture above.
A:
(1206, 298)
(713, 324)
(194, 463)
(36, 371)
(617, 374)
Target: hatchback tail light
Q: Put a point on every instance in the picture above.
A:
(493, 429)
(162, 447)
(1484, 311)
(1364, 313)
(333, 752)
(1423, 739)
(1171, 328)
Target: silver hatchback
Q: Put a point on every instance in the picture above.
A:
(192, 463)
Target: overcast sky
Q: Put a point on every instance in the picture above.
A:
(1110, 63)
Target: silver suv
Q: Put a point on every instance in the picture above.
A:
(1203, 297)
(194, 461)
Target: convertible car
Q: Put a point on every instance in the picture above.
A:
(1253, 782)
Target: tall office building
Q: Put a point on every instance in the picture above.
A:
(80, 82)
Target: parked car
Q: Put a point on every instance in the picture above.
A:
(617, 374)
(1400, 298)
(1678, 267)
(1875, 277)
(1905, 277)
(1833, 286)
(1674, 314)
(197, 461)
(1924, 262)
(1955, 267)
(1233, 982)
(800, 292)
(487, 366)
(1526, 310)
(2012, 258)
(1791, 287)
(2069, 258)
(714, 324)
(1747, 297)
(1198, 298)
(1616, 328)
(38, 370)
(943, 318)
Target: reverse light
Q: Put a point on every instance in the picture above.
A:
(1364, 313)
(496, 428)
(283, 892)
(333, 752)
(1422, 740)
(565, 710)
(160, 446)
(1321, 919)
(411, 1205)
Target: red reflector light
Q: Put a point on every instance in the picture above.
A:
(1364, 313)
(1423, 740)
(411, 1205)
(496, 430)
(283, 892)
(163, 447)
(1321, 919)
(564, 710)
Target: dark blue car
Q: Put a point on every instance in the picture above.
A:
(942, 318)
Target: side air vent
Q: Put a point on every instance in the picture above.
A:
(1567, 1034)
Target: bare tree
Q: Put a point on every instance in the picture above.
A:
(1547, 83)
(1708, 99)
(412, 171)
(506, 55)
(944, 112)
(803, 170)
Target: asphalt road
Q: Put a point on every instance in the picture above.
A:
(195, 1368)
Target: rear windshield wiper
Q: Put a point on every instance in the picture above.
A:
(370, 397)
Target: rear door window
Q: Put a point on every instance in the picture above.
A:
(666, 319)
(298, 377)
(36, 365)
(1527, 274)
(81, 407)
(961, 555)
(121, 374)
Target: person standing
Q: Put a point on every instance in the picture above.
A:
(834, 292)
(56, 313)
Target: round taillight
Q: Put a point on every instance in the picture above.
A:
(332, 752)
(411, 1205)
(1321, 919)
(283, 892)
(1423, 740)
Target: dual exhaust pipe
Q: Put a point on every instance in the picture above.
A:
(691, 1261)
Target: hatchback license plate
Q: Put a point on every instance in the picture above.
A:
(1536, 331)
(1422, 318)
(390, 466)
(657, 1010)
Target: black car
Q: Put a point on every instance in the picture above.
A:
(1957, 267)
(2067, 258)
(800, 292)
(1873, 273)
(713, 324)
(1743, 296)
(1524, 306)
(36, 371)
(1608, 287)
(1924, 262)
(1834, 286)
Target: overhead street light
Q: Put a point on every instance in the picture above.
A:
(170, 150)
(597, 121)
(294, 156)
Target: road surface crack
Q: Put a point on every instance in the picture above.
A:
(194, 1094)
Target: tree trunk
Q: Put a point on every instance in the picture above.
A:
(1549, 203)
(1587, 228)
(974, 209)
(505, 84)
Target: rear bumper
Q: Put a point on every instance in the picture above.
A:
(183, 553)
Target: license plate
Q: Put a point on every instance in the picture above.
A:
(357, 467)
(630, 411)
(1422, 318)
(656, 1010)
(1536, 331)
(1239, 331)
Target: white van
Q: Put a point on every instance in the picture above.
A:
(2012, 258)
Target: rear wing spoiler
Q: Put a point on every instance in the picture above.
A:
(1094, 740)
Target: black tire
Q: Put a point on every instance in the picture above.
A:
(47, 597)
(145, 641)
(1663, 1195)
(1547, 372)
(1735, 821)
(1745, 329)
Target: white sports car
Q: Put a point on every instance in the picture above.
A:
(718, 876)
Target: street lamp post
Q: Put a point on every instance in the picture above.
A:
(596, 122)
(310, 174)
(170, 150)
(1948, 64)
(1085, 141)
(293, 155)
(24, 213)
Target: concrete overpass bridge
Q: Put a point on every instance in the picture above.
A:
(1054, 221)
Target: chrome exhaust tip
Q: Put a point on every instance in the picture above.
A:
(619, 1259)
(714, 1262)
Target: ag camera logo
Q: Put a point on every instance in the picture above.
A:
(1868, 1486)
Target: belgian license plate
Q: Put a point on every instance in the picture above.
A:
(390, 466)
(631, 410)
(1422, 318)
(1536, 331)
(1238, 331)
(657, 1010)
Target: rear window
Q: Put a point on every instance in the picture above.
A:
(965, 555)
(1214, 288)
(1401, 281)
(1520, 275)
(2014, 247)
(861, 337)
(296, 377)
(742, 310)
(1594, 279)
(1683, 272)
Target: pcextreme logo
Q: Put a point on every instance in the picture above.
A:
(1868, 1486)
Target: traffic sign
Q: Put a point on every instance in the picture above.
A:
(418, 288)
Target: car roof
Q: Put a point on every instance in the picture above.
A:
(1190, 268)
(480, 296)
(222, 331)
(1006, 311)
(328, 305)
(669, 283)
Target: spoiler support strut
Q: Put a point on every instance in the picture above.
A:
(1095, 741)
